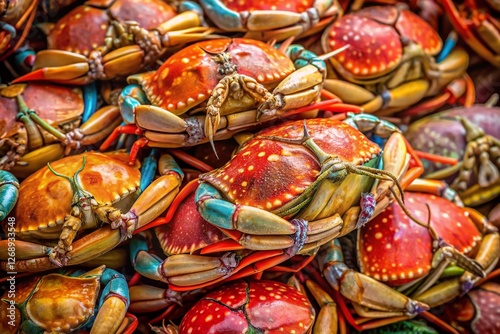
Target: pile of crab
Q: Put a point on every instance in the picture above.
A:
(249, 167)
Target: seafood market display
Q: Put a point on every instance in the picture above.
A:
(228, 166)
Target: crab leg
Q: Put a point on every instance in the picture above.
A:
(107, 63)
(362, 289)
(9, 191)
(146, 298)
(327, 319)
(441, 293)
(113, 304)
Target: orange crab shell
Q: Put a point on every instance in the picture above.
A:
(84, 28)
(396, 250)
(59, 304)
(45, 199)
(187, 78)
(267, 174)
(374, 35)
(253, 5)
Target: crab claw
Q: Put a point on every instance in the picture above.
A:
(71, 68)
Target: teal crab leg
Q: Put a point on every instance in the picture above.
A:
(9, 192)
(89, 101)
(148, 170)
(113, 303)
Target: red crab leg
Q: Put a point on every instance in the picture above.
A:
(196, 163)
(27, 28)
(438, 322)
(132, 326)
(436, 158)
(130, 129)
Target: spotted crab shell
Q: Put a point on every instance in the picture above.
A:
(267, 174)
(396, 250)
(188, 77)
(45, 199)
(253, 5)
(247, 307)
(54, 103)
(375, 37)
(84, 28)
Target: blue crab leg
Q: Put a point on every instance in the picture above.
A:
(148, 170)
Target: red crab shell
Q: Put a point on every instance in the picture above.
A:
(394, 249)
(84, 28)
(374, 35)
(267, 173)
(285, 5)
(54, 103)
(263, 306)
(187, 78)
(187, 231)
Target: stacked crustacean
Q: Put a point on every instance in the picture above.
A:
(249, 167)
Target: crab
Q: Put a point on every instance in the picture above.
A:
(470, 135)
(9, 192)
(277, 20)
(105, 39)
(383, 263)
(233, 81)
(16, 18)
(476, 23)
(84, 192)
(390, 64)
(200, 254)
(96, 300)
(38, 130)
(238, 307)
(476, 311)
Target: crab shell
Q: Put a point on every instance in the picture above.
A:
(46, 199)
(267, 173)
(375, 37)
(247, 307)
(478, 309)
(394, 249)
(84, 28)
(253, 5)
(55, 104)
(187, 231)
(447, 137)
(188, 77)
(51, 307)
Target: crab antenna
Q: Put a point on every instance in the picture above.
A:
(390, 177)
(59, 174)
(334, 52)
(80, 169)
(412, 217)
(72, 180)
